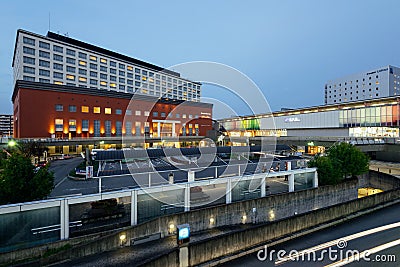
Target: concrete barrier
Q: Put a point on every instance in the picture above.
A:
(271, 210)
(204, 251)
(379, 180)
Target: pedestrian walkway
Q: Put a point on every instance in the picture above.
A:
(138, 254)
(392, 168)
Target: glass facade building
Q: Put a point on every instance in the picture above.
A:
(368, 118)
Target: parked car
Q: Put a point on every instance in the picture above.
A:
(65, 156)
(41, 164)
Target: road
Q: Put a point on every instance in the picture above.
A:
(379, 218)
(61, 169)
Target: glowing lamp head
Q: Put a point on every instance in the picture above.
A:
(12, 143)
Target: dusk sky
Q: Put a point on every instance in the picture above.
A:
(290, 49)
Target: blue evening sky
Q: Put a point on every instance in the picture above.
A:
(288, 48)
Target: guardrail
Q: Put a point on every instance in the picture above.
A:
(27, 224)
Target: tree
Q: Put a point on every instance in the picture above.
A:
(32, 149)
(20, 182)
(348, 159)
(341, 161)
(327, 174)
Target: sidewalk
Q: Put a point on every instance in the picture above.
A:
(136, 255)
(392, 168)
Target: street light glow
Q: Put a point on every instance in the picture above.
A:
(12, 143)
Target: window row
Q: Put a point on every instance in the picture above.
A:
(350, 82)
(107, 110)
(85, 109)
(85, 127)
(115, 128)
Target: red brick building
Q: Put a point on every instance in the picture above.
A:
(59, 111)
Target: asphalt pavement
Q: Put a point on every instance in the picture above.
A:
(61, 169)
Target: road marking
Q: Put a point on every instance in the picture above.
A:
(60, 182)
(334, 242)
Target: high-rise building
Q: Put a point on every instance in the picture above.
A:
(6, 125)
(378, 83)
(61, 60)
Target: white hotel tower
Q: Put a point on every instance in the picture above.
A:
(382, 82)
(58, 59)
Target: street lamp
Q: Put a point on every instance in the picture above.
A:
(12, 143)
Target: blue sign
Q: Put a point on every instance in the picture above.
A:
(184, 233)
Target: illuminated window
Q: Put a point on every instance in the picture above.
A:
(103, 83)
(103, 60)
(82, 79)
(70, 77)
(113, 85)
(85, 109)
(58, 82)
(144, 91)
(137, 113)
(72, 125)
(107, 110)
(59, 123)
(93, 58)
(96, 110)
(146, 113)
(82, 63)
(144, 78)
(130, 68)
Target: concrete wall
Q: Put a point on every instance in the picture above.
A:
(204, 251)
(379, 180)
(323, 119)
(268, 209)
(338, 132)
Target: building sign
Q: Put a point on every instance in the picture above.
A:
(251, 124)
(292, 119)
(89, 172)
(183, 234)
